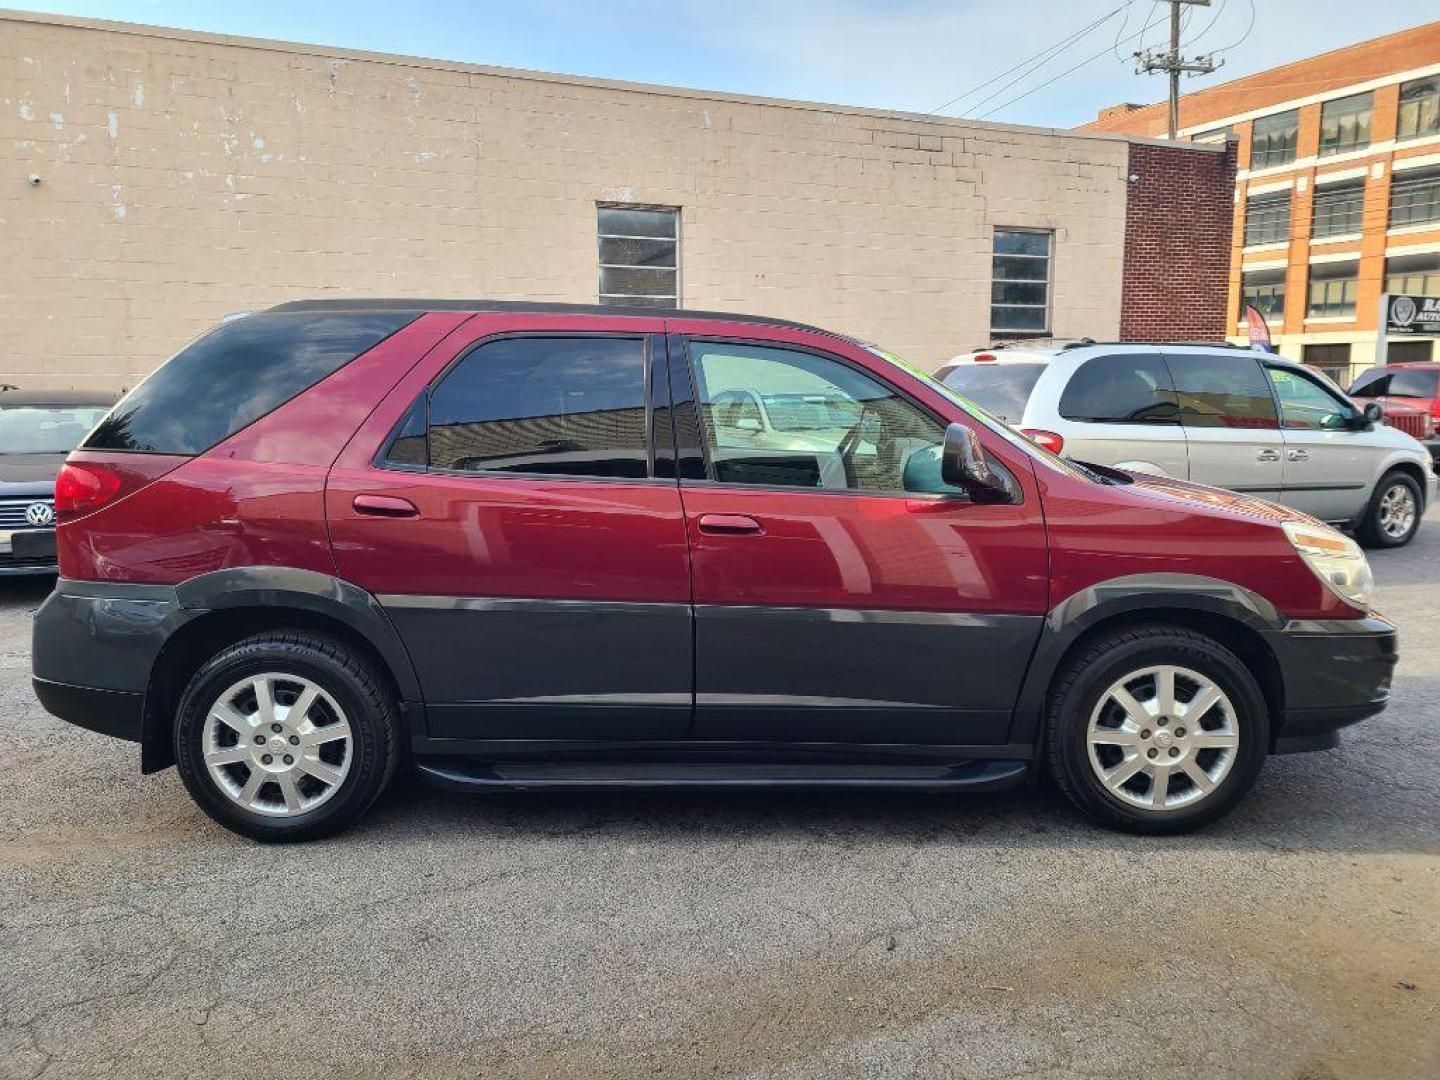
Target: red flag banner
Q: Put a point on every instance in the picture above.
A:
(1259, 329)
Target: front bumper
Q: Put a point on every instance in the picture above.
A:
(1334, 672)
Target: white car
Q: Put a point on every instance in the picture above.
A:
(1220, 415)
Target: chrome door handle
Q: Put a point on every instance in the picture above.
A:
(1266, 453)
(729, 525)
(1298, 455)
(391, 506)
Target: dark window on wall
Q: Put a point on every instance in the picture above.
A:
(1414, 197)
(1339, 208)
(1418, 275)
(1345, 124)
(1222, 391)
(1419, 108)
(1413, 352)
(1020, 283)
(1333, 287)
(1332, 358)
(1265, 291)
(1273, 138)
(639, 256)
(555, 406)
(1267, 218)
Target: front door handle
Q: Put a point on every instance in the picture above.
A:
(729, 525)
(1298, 455)
(384, 506)
(1266, 453)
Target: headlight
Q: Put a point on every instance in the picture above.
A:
(1336, 559)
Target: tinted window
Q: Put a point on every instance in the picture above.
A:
(236, 374)
(46, 429)
(1306, 404)
(777, 416)
(1416, 384)
(1127, 388)
(408, 447)
(561, 406)
(1001, 389)
(1222, 391)
(1371, 384)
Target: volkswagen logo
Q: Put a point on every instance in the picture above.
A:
(40, 514)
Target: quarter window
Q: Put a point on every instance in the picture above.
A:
(1419, 108)
(1273, 138)
(1265, 291)
(1020, 283)
(553, 406)
(1339, 208)
(775, 416)
(1333, 287)
(1345, 124)
(1267, 218)
(1307, 405)
(1415, 197)
(639, 256)
(1125, 388)
(1227, 391)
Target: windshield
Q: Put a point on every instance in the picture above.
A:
(46, 429)
(1002, 389)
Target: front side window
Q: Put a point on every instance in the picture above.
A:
(1020, 283)
(1222, 391)
(1418, 275)
(781, 417)
(639, 256)
(549, 406)
(1264, 290)
(1419, 108)
(1267, 218)
(1415, 197)
(1124, 388)
(1307, 405)
(46, 429)
(1333, 288)
(1273, 138)
(1399, 382)
(1345, 124)
(1339, 208)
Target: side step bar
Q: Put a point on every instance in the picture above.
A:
(464, 774)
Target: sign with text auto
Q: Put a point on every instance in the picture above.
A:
(1406, 314)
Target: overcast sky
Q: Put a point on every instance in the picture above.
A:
(906, 54)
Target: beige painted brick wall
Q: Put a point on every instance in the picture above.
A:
(184, 177)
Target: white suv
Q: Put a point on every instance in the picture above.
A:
(1225, 416)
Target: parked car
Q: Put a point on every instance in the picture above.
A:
(37, 430)
(1402, 390)
(1251, 422)
(517, 540)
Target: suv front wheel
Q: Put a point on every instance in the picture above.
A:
(286, 736)
(1393, 514)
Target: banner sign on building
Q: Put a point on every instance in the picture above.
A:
(1259, 329)
(1406, 314)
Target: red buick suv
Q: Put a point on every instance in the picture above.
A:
(528, 545)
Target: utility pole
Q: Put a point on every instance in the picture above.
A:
(1172, 63)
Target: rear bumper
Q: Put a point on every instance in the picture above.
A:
(1335, 673)
(117, 713)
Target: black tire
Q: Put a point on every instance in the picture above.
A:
(1087, 676)
(1372, 530)
(360, 691)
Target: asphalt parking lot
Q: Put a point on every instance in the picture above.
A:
(730, 934)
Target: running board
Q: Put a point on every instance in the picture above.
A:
(467, 774)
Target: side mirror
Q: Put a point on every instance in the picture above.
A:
(1373, 413)
(964, 464)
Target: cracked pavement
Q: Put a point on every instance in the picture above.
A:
(729, 934)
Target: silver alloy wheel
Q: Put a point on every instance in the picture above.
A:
(1397, 511)
(1163, 737)
(277, 744)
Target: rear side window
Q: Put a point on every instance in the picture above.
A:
(556, 406)
(234, 375)
(999, 389)
(1229, 391)
(1124, 388)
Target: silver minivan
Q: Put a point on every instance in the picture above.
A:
(1226, 416)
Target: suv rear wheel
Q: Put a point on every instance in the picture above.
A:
(1156, 730)
(286, 736)
(1393, 514)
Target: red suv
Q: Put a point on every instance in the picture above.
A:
(551, 546)
(1404, 390)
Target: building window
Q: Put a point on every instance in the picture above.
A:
(1020, 283)
(1332, 289)
(1419, 108)
(1265, 291)
(1415, 197)
(1339, 208)
(1214, 135)
(1418, 275)
(1273, 138)
(640, 256)
(1332, 358)
(1267, 218)
(1345, 124)
(1408, 352)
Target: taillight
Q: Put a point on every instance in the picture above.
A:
(82, 488)
(1048, 439)
(984, 358)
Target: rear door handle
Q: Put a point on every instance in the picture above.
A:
(384, 506)
(1266, 453)
(729, 525)
(1298, 455)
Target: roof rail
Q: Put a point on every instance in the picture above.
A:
(1085, 343)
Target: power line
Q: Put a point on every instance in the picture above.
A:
(1210, 25)
(1057, 78)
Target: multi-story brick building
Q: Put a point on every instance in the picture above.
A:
(1337, 197)
(155, 180)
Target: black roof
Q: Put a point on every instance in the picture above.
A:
(61, 398)
(538, 307)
